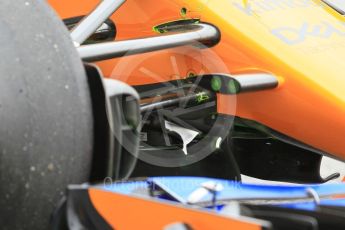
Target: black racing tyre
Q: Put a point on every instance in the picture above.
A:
(46, 123)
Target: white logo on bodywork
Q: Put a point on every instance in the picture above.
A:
(296, 35)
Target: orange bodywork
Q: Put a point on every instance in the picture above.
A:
(139, 213)
(301, 42)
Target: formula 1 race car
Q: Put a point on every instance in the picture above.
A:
(145, 88)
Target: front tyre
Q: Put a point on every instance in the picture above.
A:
(46, 124)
